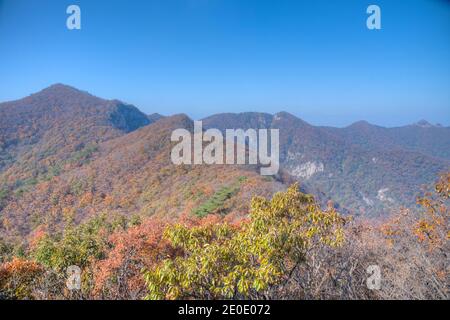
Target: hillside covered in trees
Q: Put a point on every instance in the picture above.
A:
(89, 182)
(366, 169)
(287, 248)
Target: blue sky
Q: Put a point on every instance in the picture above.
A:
(315, 59)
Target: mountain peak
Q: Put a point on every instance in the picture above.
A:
(362, 124)
(64, 93)
(155, 117)
(286, 116)
(423, 124)
(60, 85)
(61, 88)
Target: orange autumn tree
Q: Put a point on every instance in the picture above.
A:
(118, 276)
(414, 254)
(18, 278)
(433, 226)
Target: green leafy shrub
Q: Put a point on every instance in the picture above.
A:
(222, 261)
(76, 246)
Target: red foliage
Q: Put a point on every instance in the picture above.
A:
(119, 275)
(17, 277)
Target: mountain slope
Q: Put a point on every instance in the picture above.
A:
(56, 129)
(66, 155)
(132, 175)
(27, 120)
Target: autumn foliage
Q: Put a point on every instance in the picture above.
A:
(18, 277)
(219, 260)
(286, 247)
(118, 276)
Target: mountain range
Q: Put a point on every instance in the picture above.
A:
(66, 155)
(363, 167)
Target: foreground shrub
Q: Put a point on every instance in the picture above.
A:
(219, 260)
(18, 278)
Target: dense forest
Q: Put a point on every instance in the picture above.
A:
(286, 248)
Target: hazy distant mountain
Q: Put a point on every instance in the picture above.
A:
(432, 140)
(363, 167)
(155, 117)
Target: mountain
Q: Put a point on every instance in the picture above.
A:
(61, 105)
(363, 167)
(243, 120)
(71, 156)
(431, 140)
(154, 117)
(66, 155)
(56, 125)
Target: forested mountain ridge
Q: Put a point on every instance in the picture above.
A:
(423, 137)
(103, 156)
(89, 182)
(363, 167)
(66, 153)
(57, 127)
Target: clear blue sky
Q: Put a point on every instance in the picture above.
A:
(315, 59)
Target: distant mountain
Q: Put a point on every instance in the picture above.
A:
(243, 120)
(431, 140)
(364, 168)
(155, 117)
